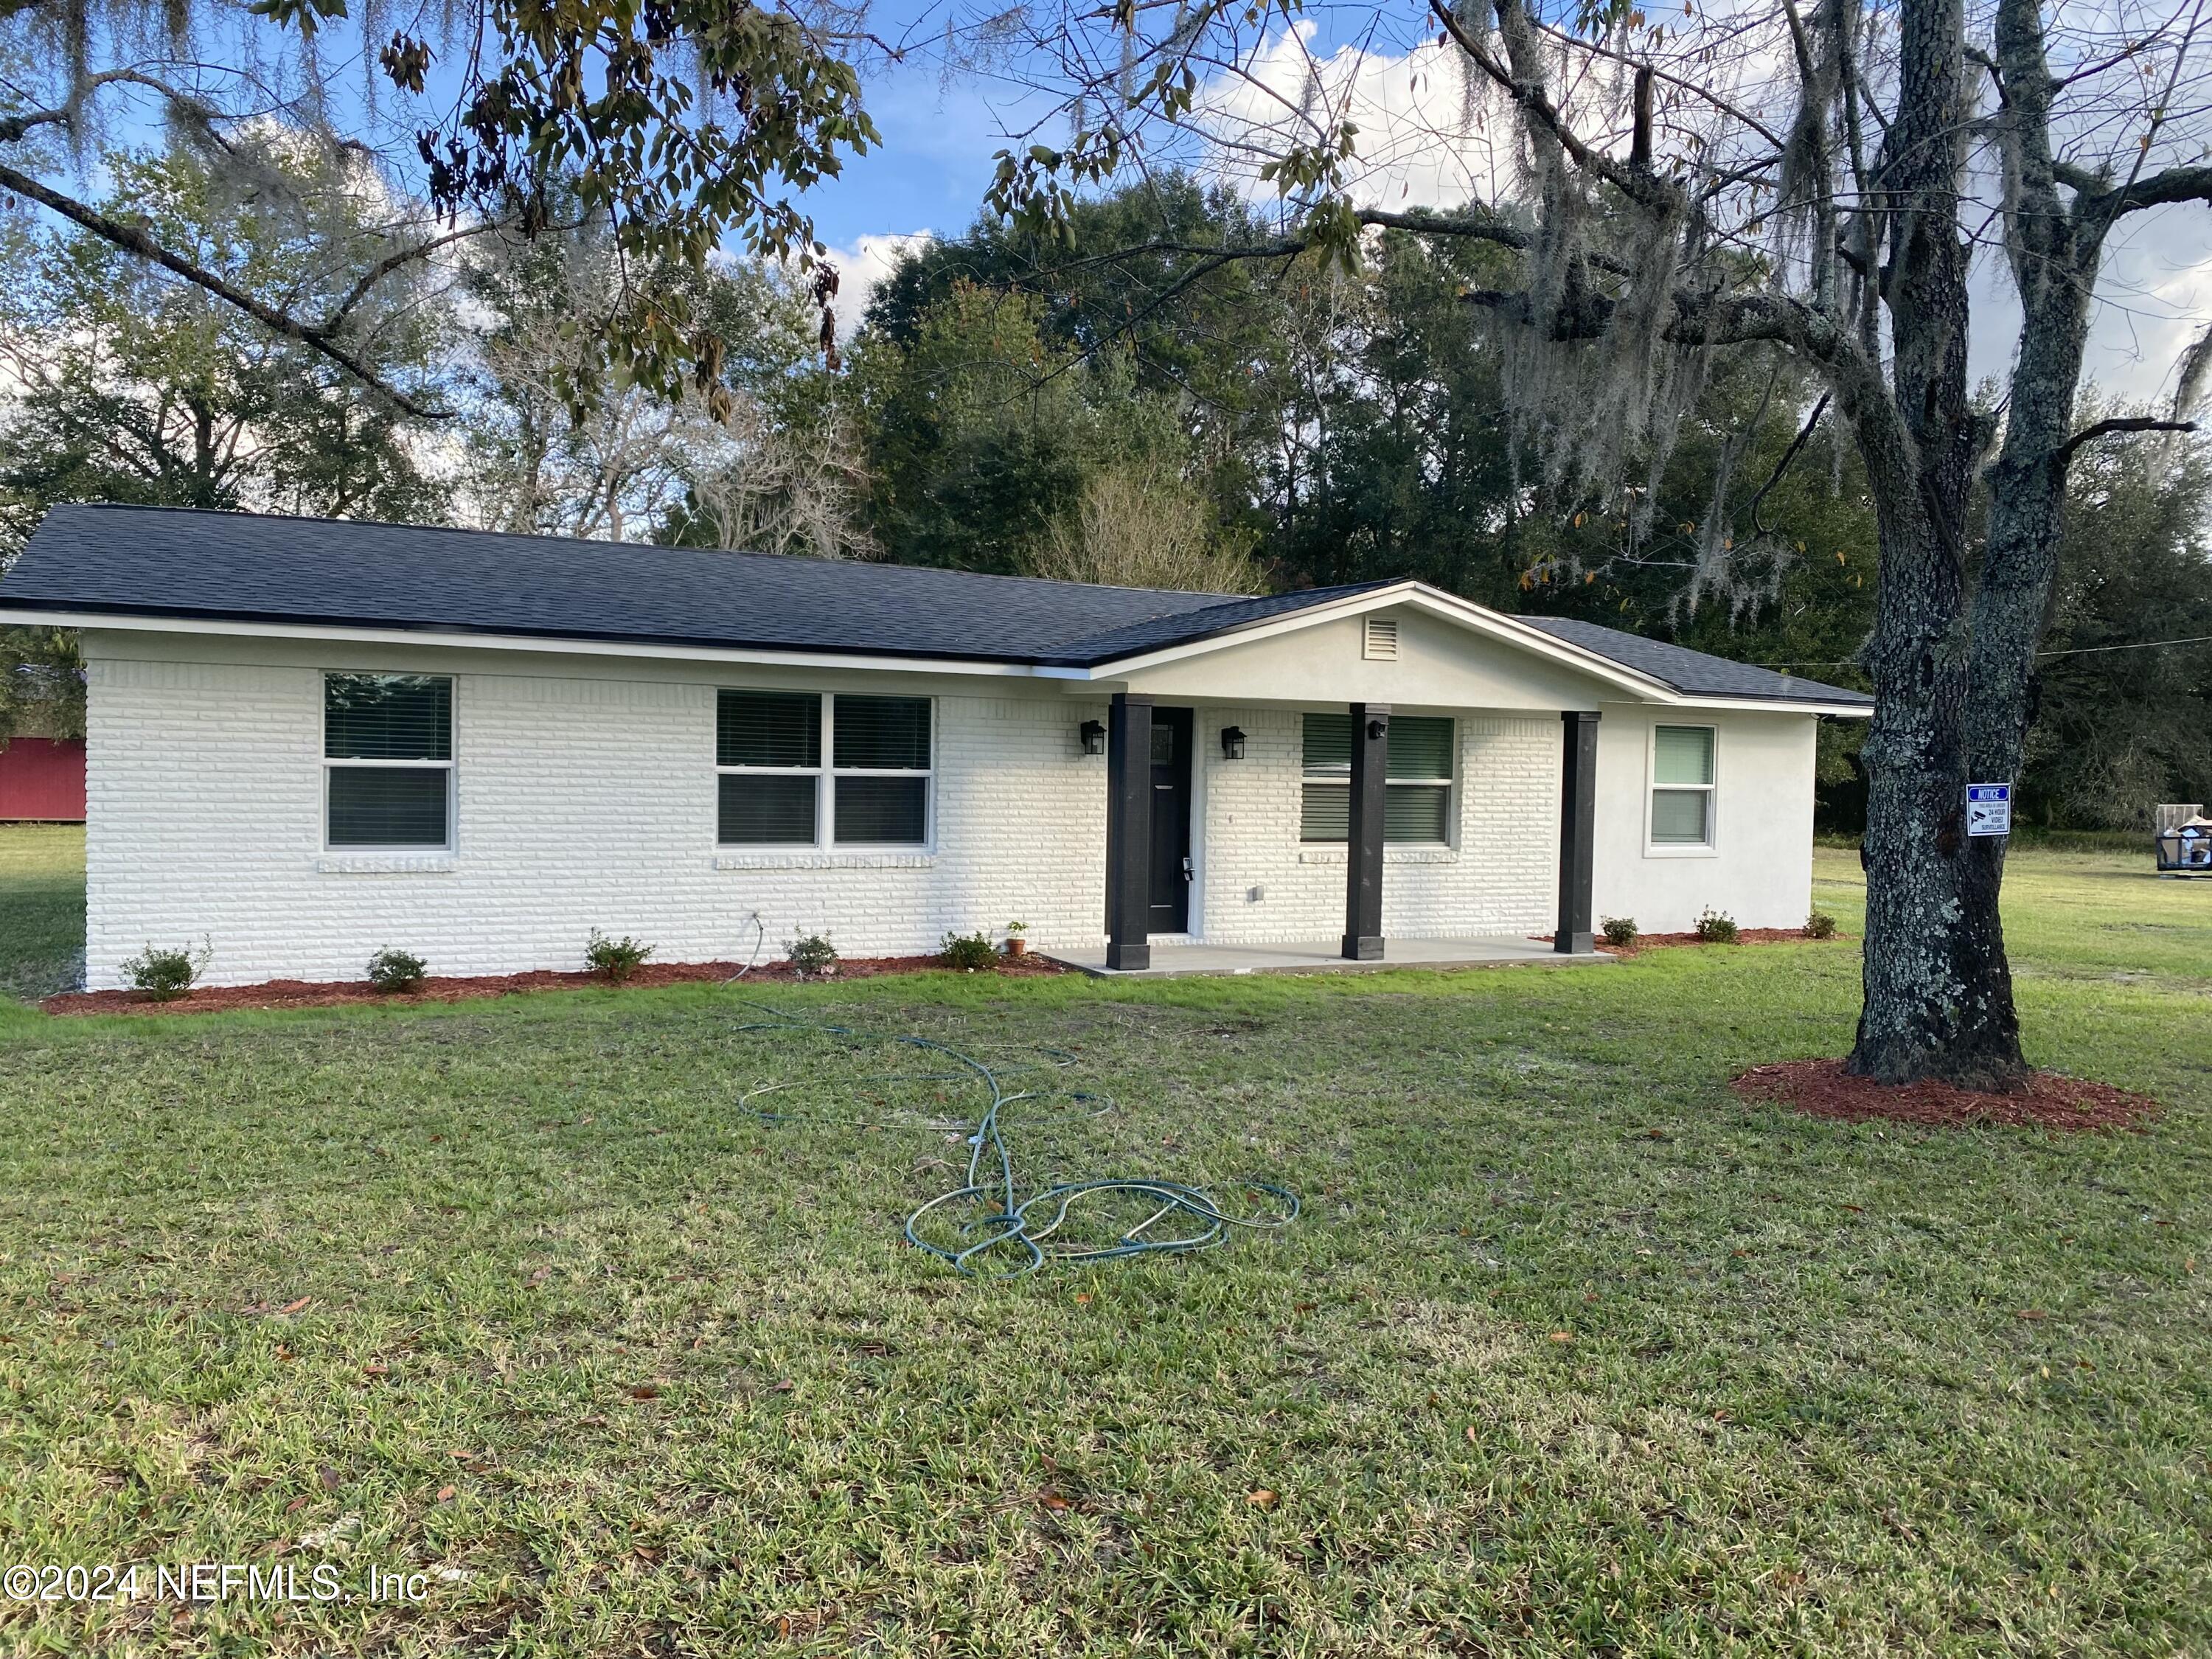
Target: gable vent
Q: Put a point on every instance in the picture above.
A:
(1380, 643)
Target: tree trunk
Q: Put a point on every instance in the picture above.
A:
(1937, 1001)
(2055, 254)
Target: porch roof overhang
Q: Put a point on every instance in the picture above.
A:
(1625, 682)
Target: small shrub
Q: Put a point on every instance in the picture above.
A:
(1716, 926)
(1819, 925)
(1620, 931)
(811, 956)
(615, 959)
(970, 951)
(165, 976)
(396, 970)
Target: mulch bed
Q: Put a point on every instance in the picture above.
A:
(1822, 1088)
(1744, 936)
(303, 993)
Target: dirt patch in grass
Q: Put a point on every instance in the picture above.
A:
(306, 994)
(1822, 1088)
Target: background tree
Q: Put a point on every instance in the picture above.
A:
(539, 463)
(982, 433)
(1143, 526)
(41, 683)
(682, 124)
(129, 383)
(1679, 199)
(2124, 720)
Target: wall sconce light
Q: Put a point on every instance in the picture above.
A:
(1378, 727)
(1232, 743)
(1093, 734)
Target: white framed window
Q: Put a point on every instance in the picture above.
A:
(1684, 765)
(1417, 789)
(388, 762)
(810, 770)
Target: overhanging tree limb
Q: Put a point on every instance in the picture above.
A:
(132, 239)
(2160, 189)
(2106, 428)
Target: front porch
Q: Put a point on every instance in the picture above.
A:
(1176, 961)
(1329, 799)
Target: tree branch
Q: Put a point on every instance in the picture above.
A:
(2105, 428)
(1646, 188)
(2160, 189)
(1598, 50)
(132, 239)
(391, 262)
(1788, 457)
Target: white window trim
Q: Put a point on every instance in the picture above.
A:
(826, 793)
(450, 767)
(1449, 784)
(1711, 846)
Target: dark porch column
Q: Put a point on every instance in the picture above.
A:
(1128, 831)
(1577, 832)
(1363, 863)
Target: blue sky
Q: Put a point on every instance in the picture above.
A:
(931, 170)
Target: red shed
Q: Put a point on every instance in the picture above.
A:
(43, 778)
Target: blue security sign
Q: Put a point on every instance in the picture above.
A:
(1989, 809)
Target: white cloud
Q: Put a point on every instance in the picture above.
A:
(1420, 141)
(864, 265)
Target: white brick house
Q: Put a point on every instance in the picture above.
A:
(311, 740)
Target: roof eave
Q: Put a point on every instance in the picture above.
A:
(915, 662)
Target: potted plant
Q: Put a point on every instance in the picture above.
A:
(1017, 946)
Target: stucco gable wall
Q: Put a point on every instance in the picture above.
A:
(1441, 666)
(1759, 869)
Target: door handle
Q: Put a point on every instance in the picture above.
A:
(1186, 867)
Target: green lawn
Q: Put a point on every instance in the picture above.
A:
(688, 1392)
(41, 908)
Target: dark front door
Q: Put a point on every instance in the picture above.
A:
(1171, 861)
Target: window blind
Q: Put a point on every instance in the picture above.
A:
(1420, 748)
(1680, 816)
(881, 734)
(1682, 754)
(1682, 786)
(1328, 744)
(388, 805)
(388, 717)
(768, 728)
(877, 811)
(765, 809)
(1418, 770)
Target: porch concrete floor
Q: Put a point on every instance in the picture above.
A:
(1318, 956)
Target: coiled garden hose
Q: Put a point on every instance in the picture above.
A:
(1000, 1216)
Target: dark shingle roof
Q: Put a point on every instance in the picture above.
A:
(251, 567)
(240, 567)
(1694, 673)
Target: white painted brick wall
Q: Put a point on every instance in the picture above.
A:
(1498, 875)
(582, 803)
(587, 799)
